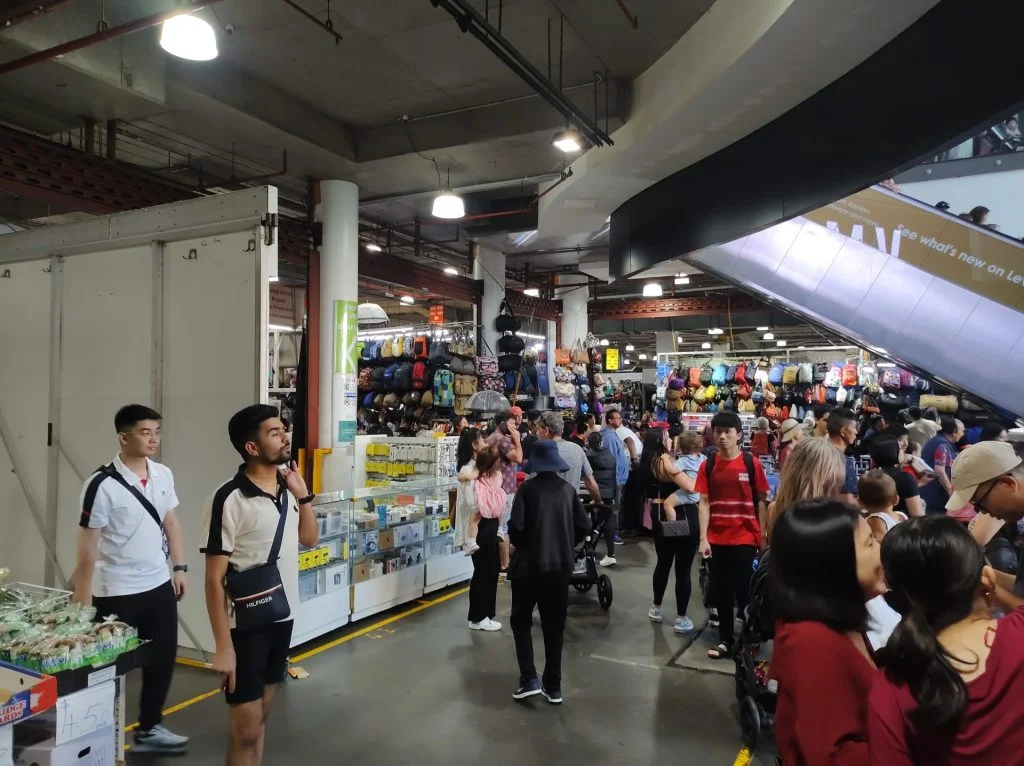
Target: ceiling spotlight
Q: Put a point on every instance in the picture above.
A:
(652, 290)
(448, 205)
(373, 247)
(681, 280)
(643, 357)
(188, 37)
(780, 343)
(604, 341)
(629, 347)
(533, 292)
(715, 331)
(763, 329)
(705, 345)
(273, 279)
(451, 270)
(801, 348)
(627, 361)
(568, 140)
(769, 336)
(680, 339)
(407, 299)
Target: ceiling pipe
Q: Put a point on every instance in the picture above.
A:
(633, 20)
(327, 26)
(482, 187)
(35, 13)
(470, 20)
(111, 33)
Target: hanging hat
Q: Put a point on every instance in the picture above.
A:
(544, 457)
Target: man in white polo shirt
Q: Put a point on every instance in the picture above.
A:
(127, 528)
(241, 523)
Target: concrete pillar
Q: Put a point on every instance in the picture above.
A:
(664, 342)
(574, 291)
(490, 267)
(339, 294)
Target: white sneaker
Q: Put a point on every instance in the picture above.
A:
(470, 547)
(486, 624)
(654, 614)
(608, 561)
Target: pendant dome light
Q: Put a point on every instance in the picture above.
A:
(447, 204)
(568, 141)
(189, 37)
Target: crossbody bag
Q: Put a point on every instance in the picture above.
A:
(257, 593)
(111, 471)
(669, 529)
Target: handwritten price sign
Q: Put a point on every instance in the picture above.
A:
(85, 712)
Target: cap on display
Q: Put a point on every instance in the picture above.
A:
(976, 465)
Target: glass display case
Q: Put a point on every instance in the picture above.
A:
(378, 548)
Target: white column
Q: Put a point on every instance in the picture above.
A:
(574, 308)
(339, 294)
(490, 267)
(664, 342)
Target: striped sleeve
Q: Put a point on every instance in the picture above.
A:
(94, 504)
(219, 522)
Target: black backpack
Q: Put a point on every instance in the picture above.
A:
(403, 378)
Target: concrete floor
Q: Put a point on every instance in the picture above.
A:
(424, 689)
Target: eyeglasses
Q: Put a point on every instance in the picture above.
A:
(979, 504)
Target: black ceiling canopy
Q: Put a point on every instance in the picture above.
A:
(940, 81)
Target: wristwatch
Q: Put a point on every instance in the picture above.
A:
(307, 499)
(181, 567)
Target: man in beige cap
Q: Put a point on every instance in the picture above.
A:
(991, 475)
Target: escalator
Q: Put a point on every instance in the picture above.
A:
(928, 290)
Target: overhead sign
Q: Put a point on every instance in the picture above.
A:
(282, 306)
(971, 257)
(436, 315)
(611, 359)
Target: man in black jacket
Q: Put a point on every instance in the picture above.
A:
(545, 515)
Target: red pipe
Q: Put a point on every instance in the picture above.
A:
(102, 36)
(35, 13)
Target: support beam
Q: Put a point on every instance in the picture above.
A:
(389, 269)
(654, 308)
(527, 306)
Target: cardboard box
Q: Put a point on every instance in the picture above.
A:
(403, 535)
(361, 571)
(336, 577)
(35, 693)
(369, 543)
(386, 539)
(96, 749)
(416, 531)
(7, 745)
(80, 714)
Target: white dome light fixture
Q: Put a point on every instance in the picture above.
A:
(643, 357)
(629, 347)
(533, 292)
(715, 331)
(407, 299)
(568, 141)
(705, 345)
(448, 205)
(451, 270)
(189, 37)
(373, 247)
(652, 290)
(604, 341)
(769, 336)
(780, 343)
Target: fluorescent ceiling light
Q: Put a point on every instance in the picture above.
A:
(274, 279)
(538, 346)
(652, 290)
(283, 328)
(769, 336)
(643, 357)
(604, 341)
(878, 350)
(886, 365)
(705, 344)
(532, 335)
(629, 347)
(801, 348)
(448, 205)
(680, 339)
(451, 270)
(763, 329)
(533, 292)
(188, 37)
(373, 247)
(780, 343)
(681, 280)
(568, 140)
(715, 331)
(407, 299)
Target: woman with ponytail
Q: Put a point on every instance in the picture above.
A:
(953, 685)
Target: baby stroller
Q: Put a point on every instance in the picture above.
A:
(755, 693)
(584, 574)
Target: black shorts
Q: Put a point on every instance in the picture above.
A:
(261, 660)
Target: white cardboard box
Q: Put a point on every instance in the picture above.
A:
(6, 747)
(96, 749)
(80, 714)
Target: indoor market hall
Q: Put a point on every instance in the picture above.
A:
(504, 381)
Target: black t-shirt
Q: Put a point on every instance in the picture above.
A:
(906, 486)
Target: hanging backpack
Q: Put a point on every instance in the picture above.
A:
(710, 392)
(820, 373)
(421, 347)
(700, 395)
(834, 376)
(867, 375)
(363, 381)
(397, 346)
(890, 379)
(440, 353)
(906, 379)
(420, 375)
(386, 351)
(389, 376)
(718, 377)
(740, 375)
(790, 375)
(849, 377)
(511, 344)
(775, 374)
(506, 321)
(730, 373)
(377, 382)
(841, 395)
(805, 373)
(706, 374)
(403, 377)
(694, 377)
(407, 347)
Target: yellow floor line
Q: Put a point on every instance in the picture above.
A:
(190, 663)
(743, 758)
(312, 652)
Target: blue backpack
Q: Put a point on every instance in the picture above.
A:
(720, 375)
(444, 388)
(389, 376)
(775, 374)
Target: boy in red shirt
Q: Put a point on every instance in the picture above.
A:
(733, 491)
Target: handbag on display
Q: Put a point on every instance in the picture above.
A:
(563, 356)
(257, 593)
(506, 321)
(579, 354)
(511, 344)
(510, 362)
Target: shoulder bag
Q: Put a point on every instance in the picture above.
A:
(669, 529)
(257, 593)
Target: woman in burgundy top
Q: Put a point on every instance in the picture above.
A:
(825, 566)
(953, 685)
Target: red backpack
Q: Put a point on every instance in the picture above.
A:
(695, 377)
(421, 347)
(849, 375)
(419, 375)
(741, 374)
(759, 444)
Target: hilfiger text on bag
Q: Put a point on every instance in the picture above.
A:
(259, 602)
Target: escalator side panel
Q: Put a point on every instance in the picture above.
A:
(921, 320)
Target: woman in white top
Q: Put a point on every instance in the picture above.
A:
(483, 589)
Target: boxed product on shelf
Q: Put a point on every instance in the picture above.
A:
(96, 749)
(416, 533)
(412, 556)
(363, 520)
(336, 577)
(403, 535)
(36, 693)
(369, 542)
(360, 571)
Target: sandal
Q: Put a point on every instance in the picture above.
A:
(720, 652)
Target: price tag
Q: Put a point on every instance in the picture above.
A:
(85, 712)
(102, 676)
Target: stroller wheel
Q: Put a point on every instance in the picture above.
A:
(750, 722)
(604, 591)
(583, 587)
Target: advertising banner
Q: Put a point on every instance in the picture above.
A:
(611, 359)
(346, 328)
(951, 249)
